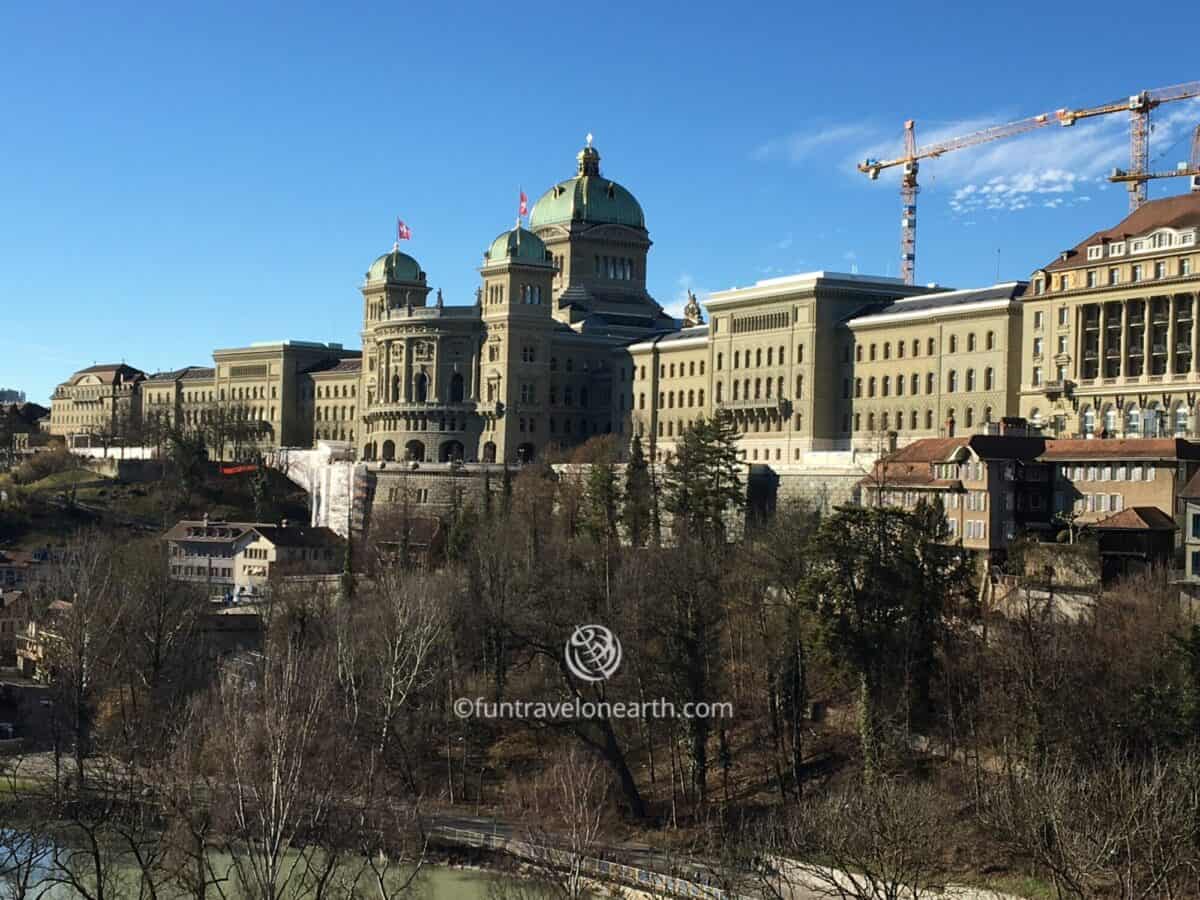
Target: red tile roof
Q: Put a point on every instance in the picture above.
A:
(1066, 450)
(1181, 211)
(1138, 518)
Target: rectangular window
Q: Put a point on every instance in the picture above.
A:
(1114, 276)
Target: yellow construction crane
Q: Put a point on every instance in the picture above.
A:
(1138, 106)
(1189, 169)
(911, 163)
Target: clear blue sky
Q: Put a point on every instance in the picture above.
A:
(175, 179)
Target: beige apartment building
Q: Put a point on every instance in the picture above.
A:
(1110, 344)
(99, 400)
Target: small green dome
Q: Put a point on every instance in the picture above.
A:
(588, 197)
(395, 266)
(517, 244)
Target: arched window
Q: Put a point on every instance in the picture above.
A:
(954, 343)
(768, 388)
(970, 379)
(912, 420)
(770, 356)
(899, 381)
(719, 386)
(989, 379)
(929, 383)
(990, 340)
(887, 353)
(456, 388)
(883, 420)
(951, 382)
(969, 416)
(720, 361)
(914, 384)
(1110, 420)
(971, 345)
(1181, 421)
(871, 386)
(1151, 420)
(929, 420)
(870, 421)
(886, 387)
(420, 387)
(757, 388)
(800, 386)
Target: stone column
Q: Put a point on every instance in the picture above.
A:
(1195, 333)
(1101, 346)
(1147, 344)
(1171, 312)
(406, 372)
(1124, 373)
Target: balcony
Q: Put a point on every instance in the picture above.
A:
(1058, 388)
(775, 404)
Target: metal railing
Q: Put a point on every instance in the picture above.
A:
(600, 869)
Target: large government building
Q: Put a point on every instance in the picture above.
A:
(563, 343)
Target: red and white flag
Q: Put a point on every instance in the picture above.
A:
(523, 209)
(403, 232)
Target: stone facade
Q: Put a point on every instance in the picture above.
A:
(822, 370)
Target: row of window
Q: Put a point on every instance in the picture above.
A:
(1108, 472)
(989, 343)
(619, 268)
(741, 358)
(334, 413)
(334, 391)
(671, 399)
(1160, 241)
(886, 385)
(1137, 272)
(885, 422)
(668, 371)
(764, 389)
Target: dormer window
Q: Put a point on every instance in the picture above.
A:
(1117, 249)
(1096, 251)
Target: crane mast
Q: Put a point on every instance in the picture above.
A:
(1138, 106)
(1190, 169)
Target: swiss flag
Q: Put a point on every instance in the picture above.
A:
(523, 209)
(403, 232)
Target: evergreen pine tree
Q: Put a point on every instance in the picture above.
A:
(636, 510)
(703, 479)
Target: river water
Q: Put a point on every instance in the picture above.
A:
(436, 882)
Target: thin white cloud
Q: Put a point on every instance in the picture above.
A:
(684, 283)
(800, 145)
(1047, 167)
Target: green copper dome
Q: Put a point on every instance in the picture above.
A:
(395, 266)
(517, 244)
(588, 197)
